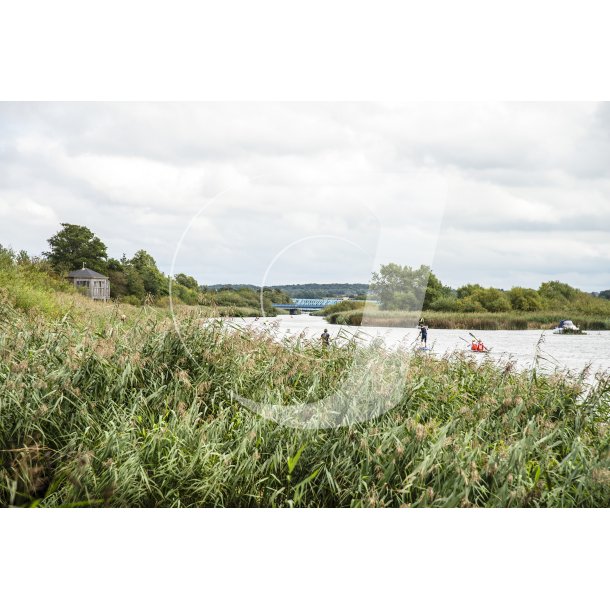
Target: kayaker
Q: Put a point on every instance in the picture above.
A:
(477, 346)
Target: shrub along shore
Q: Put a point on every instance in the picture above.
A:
(111, 406)
(467, 320)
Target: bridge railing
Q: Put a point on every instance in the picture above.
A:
(307, 304)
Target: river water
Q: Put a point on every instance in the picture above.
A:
(555, 352)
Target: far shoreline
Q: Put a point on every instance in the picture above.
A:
(468, 320)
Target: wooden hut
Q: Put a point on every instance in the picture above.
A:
(96, 285)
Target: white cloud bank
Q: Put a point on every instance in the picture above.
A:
(499, 194)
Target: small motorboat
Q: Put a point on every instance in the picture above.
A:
(567, 327)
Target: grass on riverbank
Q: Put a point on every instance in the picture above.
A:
(95, 411)
(35, 290)
(467, 321)
(33, 287)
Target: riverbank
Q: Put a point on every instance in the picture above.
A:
(100, 411)
(467, 321)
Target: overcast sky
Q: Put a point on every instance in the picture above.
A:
(499, 194)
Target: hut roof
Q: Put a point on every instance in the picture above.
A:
(87, 274)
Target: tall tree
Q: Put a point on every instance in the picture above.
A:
(75, 245)
(186, 280)
(525, 299)
(399, 287)
(118, 279)
(155, 282)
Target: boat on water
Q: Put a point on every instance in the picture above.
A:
(567, 327)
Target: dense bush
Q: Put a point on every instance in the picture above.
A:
(525, 299)
(347, 305)
(444, 304)
(246, 298)
(30, 285)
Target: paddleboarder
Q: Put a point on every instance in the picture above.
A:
(423, 333)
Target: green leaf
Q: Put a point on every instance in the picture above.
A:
(293, 461)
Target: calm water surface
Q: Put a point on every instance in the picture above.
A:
(563, 352)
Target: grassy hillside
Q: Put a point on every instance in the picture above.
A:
(30, 285)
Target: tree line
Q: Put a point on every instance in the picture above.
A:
(135, 279)
(396, 287)
(405, 288)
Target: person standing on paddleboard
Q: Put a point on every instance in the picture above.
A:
(423, 333)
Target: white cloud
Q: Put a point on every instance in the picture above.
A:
(524, 188)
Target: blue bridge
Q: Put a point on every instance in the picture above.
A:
(307, 304)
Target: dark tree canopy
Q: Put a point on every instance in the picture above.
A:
(605, 294)
(557, 291)
(525, 299)
(187, 281)
(74, 246)
(155, 283)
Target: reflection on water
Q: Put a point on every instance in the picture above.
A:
(571, 352)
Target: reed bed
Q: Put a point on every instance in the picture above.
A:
(104, 411)
(467, 320)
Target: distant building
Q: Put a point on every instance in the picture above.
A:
(96, 285)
